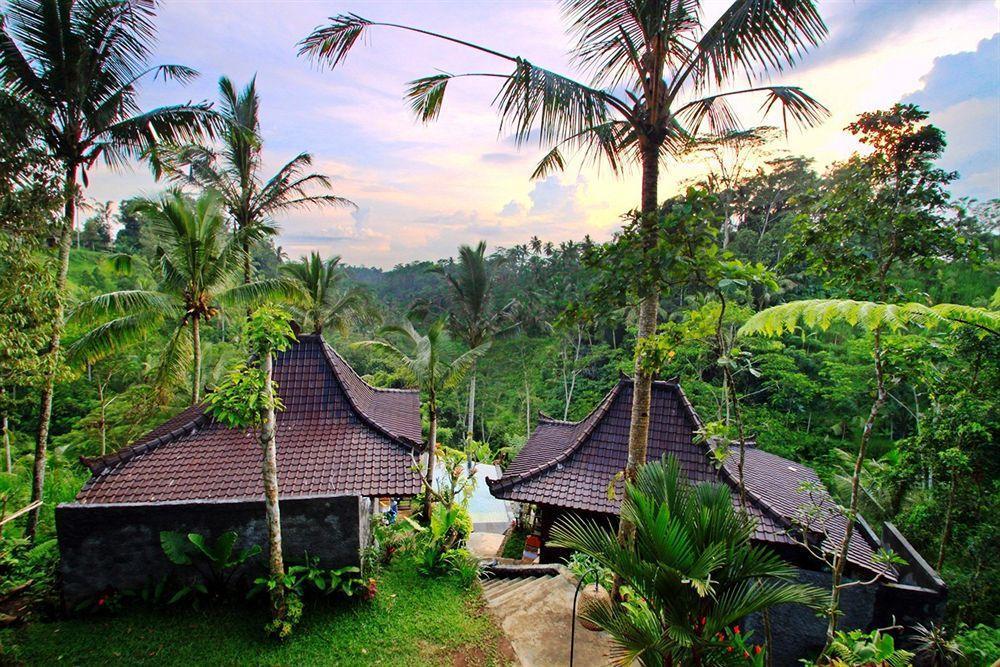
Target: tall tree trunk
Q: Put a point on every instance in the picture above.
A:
(527, 408)
(642, 385)
(102, 429)
(472, 416)
(840, 562)
(946, 532)
(270, 473)
(643, 381)
(52, 353)
(429, 475)
(196, 347)
(6, 444)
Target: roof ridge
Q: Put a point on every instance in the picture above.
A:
(552, 420)
(597, 413)
(328, 354)
(99, 464)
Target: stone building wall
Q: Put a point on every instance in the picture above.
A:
(117, 546)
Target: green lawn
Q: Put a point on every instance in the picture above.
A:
(413, 621)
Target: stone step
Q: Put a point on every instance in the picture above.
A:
(515, 588)
(526, 590)
(527, 598)
(501, 585)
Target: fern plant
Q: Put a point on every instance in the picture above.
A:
(860, 649)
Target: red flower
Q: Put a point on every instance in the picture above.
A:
(100, 602)
(730, 649)
(745, 654)
(756, 649)
(736, 629)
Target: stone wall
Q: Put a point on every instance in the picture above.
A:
(796, 630)
(117, 546)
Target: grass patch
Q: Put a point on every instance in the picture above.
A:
(514, 546)
(414, 620)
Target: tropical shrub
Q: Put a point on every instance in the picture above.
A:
(690, 565)
(979, 644)
(216, 564)
(589, 570)
(860, 649)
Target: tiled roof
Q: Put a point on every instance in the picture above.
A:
(776, 483)
(572, 464)
(336, 435)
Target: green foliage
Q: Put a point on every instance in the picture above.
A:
(268, 330)
(214, 564)
(980, 644)
(240, 400)
(692, 563)
(309, 578)
(823, 313)
(589, 570)
(860, 649)
(414, 620)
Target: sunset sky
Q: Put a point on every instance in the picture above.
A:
(423, 189)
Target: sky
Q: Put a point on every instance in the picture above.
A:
(423, 189)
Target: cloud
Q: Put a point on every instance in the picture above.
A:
(501, 158)
(961, 92)
(552, 196)
(864, 25)
(360, 216)
(511, 209)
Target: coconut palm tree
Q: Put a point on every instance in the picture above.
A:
(325, 303)
(657, 73)
(691, 567)
(472, 316)
(423, 359)
(70, 71)
(235, 170)
(199, 268)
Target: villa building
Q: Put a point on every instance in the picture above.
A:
(341, 444)
(569, 467)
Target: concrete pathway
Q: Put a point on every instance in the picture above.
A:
(535, 613)
(484, 545)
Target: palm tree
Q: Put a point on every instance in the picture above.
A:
(657, 75)
(250, 200)
(472, 316)
(199, 266)
(878, 319)
(691, 567)
(324, 303)
(70, 70)
(422, 358)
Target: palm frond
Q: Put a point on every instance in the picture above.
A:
(134, 137)
(458, 368)
(751, 35)
(331, 43)
(125, 302)
(253, 294)
(173, 363)
(426, 96)
(113, 336)
(534, 101)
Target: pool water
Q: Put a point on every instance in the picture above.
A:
(489, 514)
